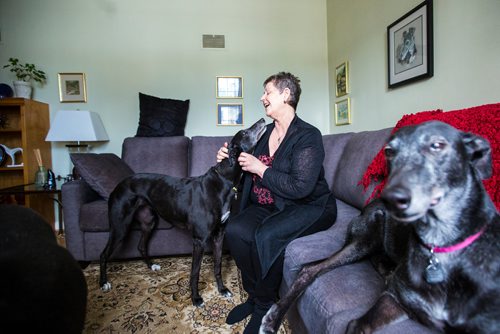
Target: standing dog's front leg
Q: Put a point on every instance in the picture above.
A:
(385, 311)
(195, 272)
(218, 239)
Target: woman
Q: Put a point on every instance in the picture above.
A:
(284, 196)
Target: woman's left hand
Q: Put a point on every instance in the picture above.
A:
(251, 164)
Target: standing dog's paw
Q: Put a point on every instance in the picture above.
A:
(269, 322)
(155, 267)
(198, 302)
(226, 293)
(106, 287)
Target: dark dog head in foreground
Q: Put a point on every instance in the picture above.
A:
(432, 167)
(245, 141)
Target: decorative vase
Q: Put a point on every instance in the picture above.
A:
(22, 89)
(41, 176)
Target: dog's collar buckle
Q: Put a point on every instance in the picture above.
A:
(235, 190)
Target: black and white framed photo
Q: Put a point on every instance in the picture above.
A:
(229, 114)
(229, 88)
(72, 87)
(410, 46)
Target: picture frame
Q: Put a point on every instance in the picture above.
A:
(229, 87)
(72, 87)
(229, 114)
(342, 79)
(343, 112)
(410, 46)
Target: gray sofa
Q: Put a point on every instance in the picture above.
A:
(329, 303)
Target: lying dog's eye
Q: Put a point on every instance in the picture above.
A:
(389, 152)
(437, 146)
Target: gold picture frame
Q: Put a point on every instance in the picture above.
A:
(72, 87)
(343, 112)
(230, 114)
(342, 79)
(229, 87)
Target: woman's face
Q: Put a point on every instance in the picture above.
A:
(272, 100)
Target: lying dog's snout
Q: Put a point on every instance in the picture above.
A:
(397, 197)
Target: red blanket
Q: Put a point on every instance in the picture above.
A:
(482, 120)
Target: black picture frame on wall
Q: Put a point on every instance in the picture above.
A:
(410, 46)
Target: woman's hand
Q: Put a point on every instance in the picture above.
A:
(251, 164)
(222, 153)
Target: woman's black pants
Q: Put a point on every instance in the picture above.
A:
(240, 237)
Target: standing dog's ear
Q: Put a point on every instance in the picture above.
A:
(479, 154)
(233, 153)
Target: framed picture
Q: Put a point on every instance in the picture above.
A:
(72, 87)
(343, 112)
(229, 88)
(410, 50)
(342, 79)
(229, 114)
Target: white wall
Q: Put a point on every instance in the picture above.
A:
(154, 46)
(466, 59)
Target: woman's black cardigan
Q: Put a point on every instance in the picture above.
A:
(298, 184)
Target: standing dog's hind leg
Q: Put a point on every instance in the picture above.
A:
(218, 239)
(148, 220)
(195, 272)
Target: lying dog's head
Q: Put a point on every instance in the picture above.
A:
(429, 164)
(245, 141)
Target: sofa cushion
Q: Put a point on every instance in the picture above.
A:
(334, 145)
(357, 155)
(163, 155)
(204, 153)
(161, 117)
(101, 171)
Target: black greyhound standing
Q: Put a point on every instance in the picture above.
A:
(439, 227)
(200, 204)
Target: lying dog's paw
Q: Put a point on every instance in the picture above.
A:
(269, 322)
(106, 287)
(155, 267)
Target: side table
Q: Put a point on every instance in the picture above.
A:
(33, 189)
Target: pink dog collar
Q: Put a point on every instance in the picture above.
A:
(458, 246)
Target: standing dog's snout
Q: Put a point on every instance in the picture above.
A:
(397, 197)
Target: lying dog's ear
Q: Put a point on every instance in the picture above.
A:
(479, 154)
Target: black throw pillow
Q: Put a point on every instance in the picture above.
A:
(161, 117)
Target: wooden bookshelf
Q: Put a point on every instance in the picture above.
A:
(27, 124)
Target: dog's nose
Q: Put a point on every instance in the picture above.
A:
(398, 197)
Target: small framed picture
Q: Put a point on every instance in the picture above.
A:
(72, 87)
(343, 112)
(410, 46)
(342, 79)
(229, 88)
(229, 114)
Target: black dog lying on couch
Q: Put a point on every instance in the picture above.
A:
(200, 204)
(42, 287)
(437, 225)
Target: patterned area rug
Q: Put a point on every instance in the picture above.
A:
(146, 301)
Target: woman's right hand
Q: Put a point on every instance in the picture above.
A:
(222, 153)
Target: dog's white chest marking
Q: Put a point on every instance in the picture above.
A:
(225, 216)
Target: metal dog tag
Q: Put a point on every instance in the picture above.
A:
(434, 272)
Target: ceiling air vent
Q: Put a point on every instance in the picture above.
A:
(214, 42)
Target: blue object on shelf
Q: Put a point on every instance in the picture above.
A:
(5, 91)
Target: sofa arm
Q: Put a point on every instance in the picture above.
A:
(74, 195)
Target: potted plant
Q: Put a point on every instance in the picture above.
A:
(25, 73)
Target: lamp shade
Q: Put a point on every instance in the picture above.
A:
(77, 125)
